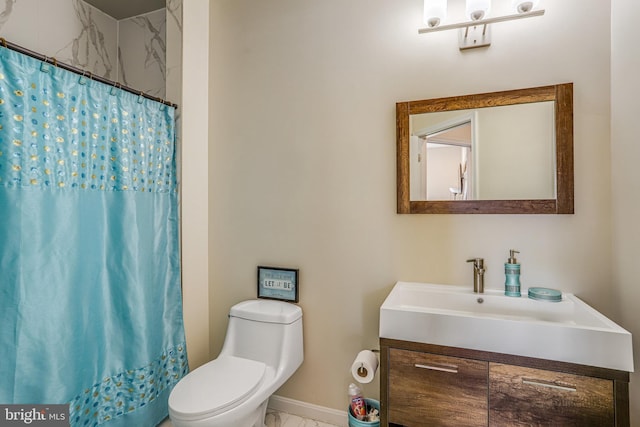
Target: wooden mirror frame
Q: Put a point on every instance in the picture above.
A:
(561, 94)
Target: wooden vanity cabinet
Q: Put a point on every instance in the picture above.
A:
(456, 396)
(520, 396)
(430, 385)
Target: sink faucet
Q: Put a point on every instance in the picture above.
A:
(478, 274)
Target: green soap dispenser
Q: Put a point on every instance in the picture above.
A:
(512, 275)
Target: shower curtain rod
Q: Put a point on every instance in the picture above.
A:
(88, 74)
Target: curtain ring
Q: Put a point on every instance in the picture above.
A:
(55, 62)
(44, 66)
(4, 42)
(114, 88)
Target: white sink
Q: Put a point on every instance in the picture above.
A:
(568, 330)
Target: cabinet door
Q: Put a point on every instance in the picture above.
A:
(532, 397)
(433, 390)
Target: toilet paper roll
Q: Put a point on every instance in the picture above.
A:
(364, 367)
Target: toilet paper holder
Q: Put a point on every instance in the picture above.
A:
(362, 372)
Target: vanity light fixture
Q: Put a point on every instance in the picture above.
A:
(524, 6)
(478, 9)
(475, 32)
(435, 12)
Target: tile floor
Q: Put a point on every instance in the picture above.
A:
(279, 419)
(282, 419)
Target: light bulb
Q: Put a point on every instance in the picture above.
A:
(478, 9)
(524, 6)
(435, 12)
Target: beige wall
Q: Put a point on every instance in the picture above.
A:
(195, 180)
(625, 152)
(302, 169)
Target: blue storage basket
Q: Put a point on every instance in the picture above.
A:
(354, 422)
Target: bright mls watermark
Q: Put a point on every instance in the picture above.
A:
(34, 415)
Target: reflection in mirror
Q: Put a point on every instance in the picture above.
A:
(449, 152)
(500, 152)
(494, 153)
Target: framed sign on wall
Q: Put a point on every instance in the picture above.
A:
(278, 283)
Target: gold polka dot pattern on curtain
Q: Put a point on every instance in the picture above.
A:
(81, 134)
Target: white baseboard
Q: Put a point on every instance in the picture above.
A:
(309, 410)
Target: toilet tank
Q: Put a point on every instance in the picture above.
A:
(267, 331)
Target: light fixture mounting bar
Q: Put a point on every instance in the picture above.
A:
(483, 21)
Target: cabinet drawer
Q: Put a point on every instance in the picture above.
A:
(532, 397)
(433, 390)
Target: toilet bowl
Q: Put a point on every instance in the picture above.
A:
(262, 349)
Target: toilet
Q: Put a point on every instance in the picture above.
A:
(262, 349)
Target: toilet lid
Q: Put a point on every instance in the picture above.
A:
(215, 387)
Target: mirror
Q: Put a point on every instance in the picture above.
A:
(500, 152)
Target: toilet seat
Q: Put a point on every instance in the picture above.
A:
(216, 387)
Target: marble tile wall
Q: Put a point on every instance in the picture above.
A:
(173, 82)
(174, 51)
(143, 52)
(69, 30)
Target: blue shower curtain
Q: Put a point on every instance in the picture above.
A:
(90, 297)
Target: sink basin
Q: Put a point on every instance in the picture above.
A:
(568, 330)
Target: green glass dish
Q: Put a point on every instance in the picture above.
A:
(545, 294)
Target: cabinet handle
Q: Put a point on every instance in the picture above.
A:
(549, 384)
(444, 368)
